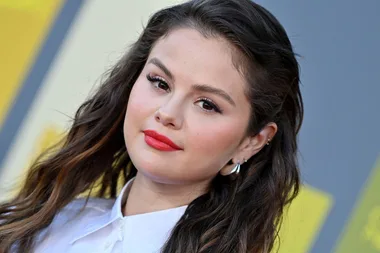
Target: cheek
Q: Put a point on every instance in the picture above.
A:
(138, 105)
(137, 101)
(216, 139)
(138, 109)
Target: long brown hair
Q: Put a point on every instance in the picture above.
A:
(238, 214)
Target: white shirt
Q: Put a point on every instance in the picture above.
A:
(101, 227)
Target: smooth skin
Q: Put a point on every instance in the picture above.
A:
(191, 92)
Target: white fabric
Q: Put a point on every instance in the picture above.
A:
(101, 227)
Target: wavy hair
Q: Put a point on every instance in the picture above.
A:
(238, 213)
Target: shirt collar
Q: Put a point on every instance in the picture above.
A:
(98, 222)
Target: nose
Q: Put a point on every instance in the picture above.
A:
(169, 115)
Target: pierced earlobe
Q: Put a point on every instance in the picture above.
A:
(236, 169)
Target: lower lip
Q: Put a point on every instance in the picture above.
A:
(154, 143)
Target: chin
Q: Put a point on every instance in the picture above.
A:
(152, 166)
(159, 175)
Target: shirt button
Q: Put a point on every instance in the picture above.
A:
(107, 245)
(121, 231)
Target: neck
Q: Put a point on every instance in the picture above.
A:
(147, 196)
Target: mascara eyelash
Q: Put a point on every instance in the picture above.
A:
(153, 79)
(211, 103)
(215, 107)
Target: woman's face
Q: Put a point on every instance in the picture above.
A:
(190, 92)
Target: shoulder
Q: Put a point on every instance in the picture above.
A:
(73, 218)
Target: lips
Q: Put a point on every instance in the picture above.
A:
(160, 142)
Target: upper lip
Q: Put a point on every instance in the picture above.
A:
(161, 138)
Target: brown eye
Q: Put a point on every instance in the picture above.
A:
(158, 83)
(161, 85)
(208, 105)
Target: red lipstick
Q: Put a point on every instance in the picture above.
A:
(160, 142)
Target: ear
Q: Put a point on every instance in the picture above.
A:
(251, 145)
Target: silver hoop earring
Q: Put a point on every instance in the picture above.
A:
(236, 169)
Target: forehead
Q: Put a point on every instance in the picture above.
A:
(190, 55)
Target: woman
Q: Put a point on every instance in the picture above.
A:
(199, 120)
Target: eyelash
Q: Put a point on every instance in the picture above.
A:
(157, 80)
(210, 103)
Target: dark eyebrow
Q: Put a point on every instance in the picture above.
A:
(209, 89)
(197, 87)
(159, 64)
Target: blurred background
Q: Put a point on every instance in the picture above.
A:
(53, 53)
